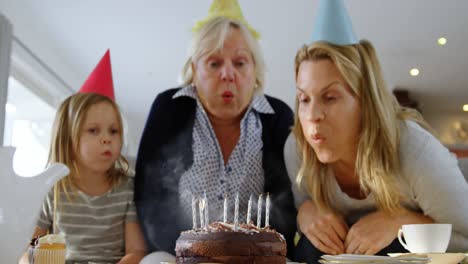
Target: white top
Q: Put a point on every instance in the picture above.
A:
(431, 183)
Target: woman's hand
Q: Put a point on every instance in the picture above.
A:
(377, 230)
(325, 230)
(371, 233)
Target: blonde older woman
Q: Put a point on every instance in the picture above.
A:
(220, 134)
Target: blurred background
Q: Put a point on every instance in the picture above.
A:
(48, 48)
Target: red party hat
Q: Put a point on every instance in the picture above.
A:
(100, 80)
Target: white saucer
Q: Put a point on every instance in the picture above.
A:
(355, 259)
(439, 258)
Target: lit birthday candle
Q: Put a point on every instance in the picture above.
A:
(236, 212)
(267, 210)
(259, 211)
(201, 207)
(225, 208)
(249, 209)
(194, 211)
(207, 216)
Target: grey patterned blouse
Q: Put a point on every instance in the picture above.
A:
(243, 172)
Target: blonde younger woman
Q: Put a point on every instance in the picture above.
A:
(93, 206)
(362, 165)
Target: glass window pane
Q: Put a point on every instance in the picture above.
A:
(28, 125)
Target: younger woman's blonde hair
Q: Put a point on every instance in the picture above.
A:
(68, 125)
(210, 39)
(377, 161)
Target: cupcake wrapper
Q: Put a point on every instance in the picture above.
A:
(31, 255)
(47, 256)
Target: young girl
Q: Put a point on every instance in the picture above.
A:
(92, 206)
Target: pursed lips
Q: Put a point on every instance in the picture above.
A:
(318, 138)
(227, 96)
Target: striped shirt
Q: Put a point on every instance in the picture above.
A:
(242, 173)
(93, 226)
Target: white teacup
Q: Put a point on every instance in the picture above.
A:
(425, 238)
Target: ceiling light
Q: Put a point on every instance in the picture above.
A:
(465, 108)
(414, 72)
(10, 108)
(441, 41)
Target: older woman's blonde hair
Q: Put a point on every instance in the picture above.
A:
(66, 131)
(210, 39)
(377, 162)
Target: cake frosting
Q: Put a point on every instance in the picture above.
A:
(221, 243)
(51, 239)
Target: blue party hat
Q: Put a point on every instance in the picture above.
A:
(333, 24)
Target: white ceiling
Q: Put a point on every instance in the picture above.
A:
(149, 40)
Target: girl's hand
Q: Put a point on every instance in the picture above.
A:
(377, 230)
(37, 233)
(24, 259)
(325, 230)
(135, 247)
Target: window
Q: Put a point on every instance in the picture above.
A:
(28, 103)
(28, 124)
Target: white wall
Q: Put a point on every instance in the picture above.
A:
(38, 41)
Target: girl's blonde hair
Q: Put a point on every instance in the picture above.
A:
(210, 39)
(377, 162)
(65, 141)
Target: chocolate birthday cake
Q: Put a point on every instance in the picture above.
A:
(219, 243)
